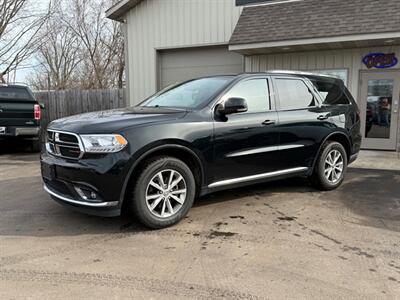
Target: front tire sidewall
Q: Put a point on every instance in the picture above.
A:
(141, 210)
(322, 181)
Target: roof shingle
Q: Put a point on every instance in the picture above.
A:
(316, 19)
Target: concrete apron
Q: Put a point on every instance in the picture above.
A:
(380, 160)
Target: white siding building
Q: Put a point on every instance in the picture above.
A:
(359, 41)
(173, 40)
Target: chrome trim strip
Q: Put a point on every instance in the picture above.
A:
(264, 149)
(287, 147)
(255, 177)
(102, 204)
(54, 141)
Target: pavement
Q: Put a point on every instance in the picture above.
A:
(277, 240)
(379, 160)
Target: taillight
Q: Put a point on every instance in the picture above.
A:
(36, 112)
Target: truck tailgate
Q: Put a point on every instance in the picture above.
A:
(16, 112)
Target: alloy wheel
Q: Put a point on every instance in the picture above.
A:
(334, 165)
(166, 193)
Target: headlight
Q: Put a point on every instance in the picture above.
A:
(103, 143)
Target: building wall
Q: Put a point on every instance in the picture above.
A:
(350, 59)
(163, 24)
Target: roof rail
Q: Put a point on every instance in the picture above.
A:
(298, 73)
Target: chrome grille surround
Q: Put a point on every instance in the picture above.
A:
(57, 146)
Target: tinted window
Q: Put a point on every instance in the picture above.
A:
(190, 94)
(255, 92)
(14, 93)
(332, 91)
(294, 94)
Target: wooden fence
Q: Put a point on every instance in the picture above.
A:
(59, 104)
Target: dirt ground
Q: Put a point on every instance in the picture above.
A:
(276, 240)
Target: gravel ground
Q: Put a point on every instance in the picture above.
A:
(276, 240)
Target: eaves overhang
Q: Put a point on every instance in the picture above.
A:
(312, 44)
(118, 10)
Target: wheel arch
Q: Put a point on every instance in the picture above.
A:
(336, 136)
(174, 149)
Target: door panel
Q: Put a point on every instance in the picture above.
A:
(380, 94)
(302, 122)
(300, 135)
(246, 144)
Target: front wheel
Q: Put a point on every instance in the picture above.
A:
(331, 166)
(164, 192)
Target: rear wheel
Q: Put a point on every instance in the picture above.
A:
(331, 166)
(164, 192)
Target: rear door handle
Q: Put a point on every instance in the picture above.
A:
(324, 117)
(268, 122)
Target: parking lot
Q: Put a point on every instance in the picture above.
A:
(275, 240)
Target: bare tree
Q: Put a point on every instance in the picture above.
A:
(103, 64)
(58, 55)
(80, 48)
(20, 23)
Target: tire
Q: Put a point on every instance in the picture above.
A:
(324, 179)
(145, 195)
(36, 146)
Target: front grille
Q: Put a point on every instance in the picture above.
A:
(68, 138)
(63, 144)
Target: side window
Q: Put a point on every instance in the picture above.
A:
(332, 91)
(256, 93)
(294, 94)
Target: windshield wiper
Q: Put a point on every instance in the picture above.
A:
(168, 107)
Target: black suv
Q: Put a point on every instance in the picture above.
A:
(20, 115)
(201, 136)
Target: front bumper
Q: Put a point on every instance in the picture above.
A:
(105, 209)
(92, 186)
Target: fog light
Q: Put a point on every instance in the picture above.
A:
(81, 193)
(85, 194)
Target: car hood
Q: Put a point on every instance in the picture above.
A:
(113, 121)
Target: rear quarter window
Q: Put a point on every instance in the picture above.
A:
(332, 91)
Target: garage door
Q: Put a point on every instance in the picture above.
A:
(183, 64)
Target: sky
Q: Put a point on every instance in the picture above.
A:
(28, 66)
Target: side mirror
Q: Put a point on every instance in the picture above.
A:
(42, 105)
(232, 106)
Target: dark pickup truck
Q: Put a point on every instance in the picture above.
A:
(20, 115)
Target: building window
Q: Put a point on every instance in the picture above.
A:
(342, 74)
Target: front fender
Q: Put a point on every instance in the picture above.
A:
(150, 149)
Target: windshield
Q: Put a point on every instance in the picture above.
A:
(189, 95)
(10, 93)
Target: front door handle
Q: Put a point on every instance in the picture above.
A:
(268, 122)
(324, 117)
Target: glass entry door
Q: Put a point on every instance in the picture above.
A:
(380, 93)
